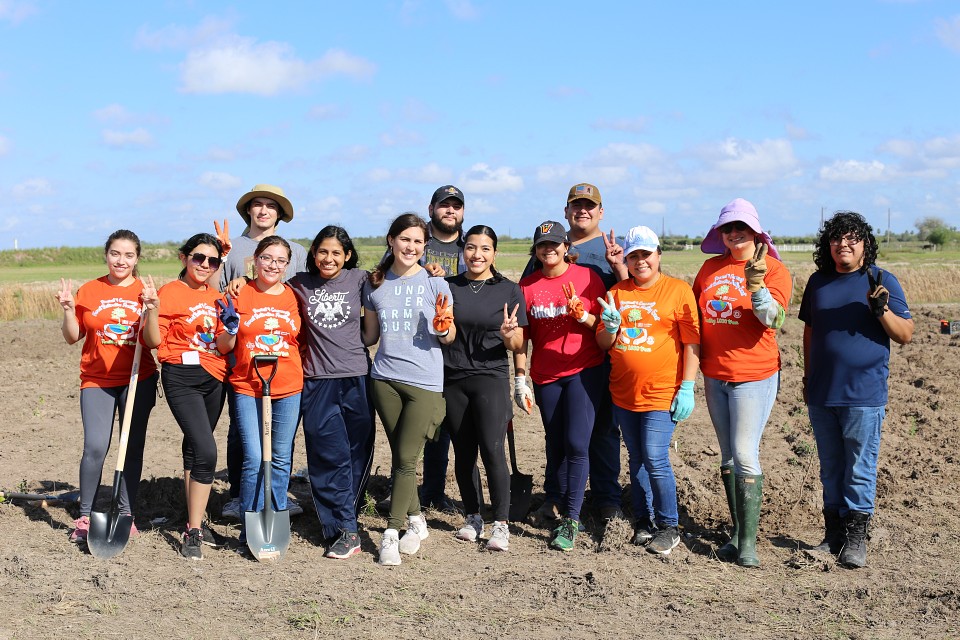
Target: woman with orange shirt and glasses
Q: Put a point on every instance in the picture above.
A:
(742, 295)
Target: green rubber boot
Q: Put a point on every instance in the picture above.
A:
(729, 552)
(749, 498)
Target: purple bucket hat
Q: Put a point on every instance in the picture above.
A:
(738, 210)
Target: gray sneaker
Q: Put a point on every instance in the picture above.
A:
(500, 537)
(416, 531)
(389, 552)
(472, 528)
(664, 541)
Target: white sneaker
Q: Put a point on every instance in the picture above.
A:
(389, 553)
(472, 528)
(500, 537)
(416, 531)
(232, 509)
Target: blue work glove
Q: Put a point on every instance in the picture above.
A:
(229, 317)
(682, 405)
(610, 315)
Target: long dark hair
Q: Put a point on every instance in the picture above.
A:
(841, 224)
(195, 241)
(537, 265)
(340, 235)
(124, 234)
(268, 242)
(403, 222)
(484, 230)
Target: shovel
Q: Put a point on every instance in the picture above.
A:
(110, 531)
(44, 498)
(521, 484)
(268, 531)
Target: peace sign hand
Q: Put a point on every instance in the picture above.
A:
(756, 268)
(149, 296)
(574, 304)
(611, 315)
(614, 251)
(878, 296)
(510, 324)
(443, 317)
(223, 235)
(65, 295)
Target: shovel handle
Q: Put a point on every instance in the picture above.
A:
(128, 405)
(266, 424)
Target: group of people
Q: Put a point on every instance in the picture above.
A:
(613, 347)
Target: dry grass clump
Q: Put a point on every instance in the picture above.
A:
(36, 300)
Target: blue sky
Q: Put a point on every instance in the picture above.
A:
(158, 116)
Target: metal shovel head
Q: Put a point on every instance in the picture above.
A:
(268, 532)
(109, 534)
(521, 491)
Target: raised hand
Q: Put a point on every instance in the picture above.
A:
(682, 405)
(434, 269)
(65, 295)
(443, 314)
(149, 296)
(510, 324)
(229, 316)
(610, 315)
(574, 304)
(878, 296)
(522, 394)
(234, 286)
(756, 268)
(614, 251)
(223, 235)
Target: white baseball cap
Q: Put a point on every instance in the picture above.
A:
(640, 239)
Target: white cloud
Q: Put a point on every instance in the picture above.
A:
(854, 171)
(902, 148)
(351, 153)
(948, 32)
(620, 153)
(16, 12)
(795, 132)
(219, 154)
(326, 112)
(462, 9)
(747, 163)
(401, 138)
(9, 223)
(378, 174)
(554, 172)
(209, 30)
(139, 137)
(652, 208)
(627, 125)
(432, 174)
(245, 66)
(31, 188)
(4, 146)
(483, 180)
(113, 113)
(219, 180)
(610, 175)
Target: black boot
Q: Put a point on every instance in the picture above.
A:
(729, 551)
(854, 553)
(834, 537)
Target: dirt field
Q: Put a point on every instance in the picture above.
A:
(911, 588)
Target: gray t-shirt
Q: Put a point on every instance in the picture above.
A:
(240, 261)
(330, 310)
(409, 351)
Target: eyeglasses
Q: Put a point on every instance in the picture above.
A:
(850, 239)
(199, 258)
(730, 226)
(267, 261)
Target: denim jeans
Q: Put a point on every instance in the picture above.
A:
(286, 414)
(848, 444)
(647, 435)
(739, 412)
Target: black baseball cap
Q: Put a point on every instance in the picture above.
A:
(444, 192)
(550, 231)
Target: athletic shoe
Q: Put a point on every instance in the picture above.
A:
(210, 537)
(664, 541)
(346, 545)
(643, 533)
(472, 528)
(191, 547)
(566, 535)
(294, 507)
(610, 512)
(547, 514)
(81, 527)
(389, 554)
(232, 509)
(416, 531)
(500, 537)
(442, 503)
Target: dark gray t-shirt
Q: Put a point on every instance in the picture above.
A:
(240, 261)
(409, 351)
(330, 310)
(448, 254)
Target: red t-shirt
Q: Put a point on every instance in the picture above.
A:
(646, 360)
(109, 318)
(734, 345)
(561, 345)
(269, 325)
(189, 323)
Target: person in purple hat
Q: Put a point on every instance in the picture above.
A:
(742, 295)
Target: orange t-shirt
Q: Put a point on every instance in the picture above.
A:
(269, 325)
(646, 360)
(734, 345)
(109, 318)
(188, 323)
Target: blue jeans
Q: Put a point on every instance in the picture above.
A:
(286, 413)
(739, 412)
(848, 445)
(647, 435)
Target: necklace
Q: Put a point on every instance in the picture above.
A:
(476, 287)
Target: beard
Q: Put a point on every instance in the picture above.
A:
(446, 227)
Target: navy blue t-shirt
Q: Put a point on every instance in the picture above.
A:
(849, 350)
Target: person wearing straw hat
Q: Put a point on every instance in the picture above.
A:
(262, 208)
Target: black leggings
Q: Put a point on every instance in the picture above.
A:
(478, 409)
(196, 400)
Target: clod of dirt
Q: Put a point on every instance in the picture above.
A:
(616, 536)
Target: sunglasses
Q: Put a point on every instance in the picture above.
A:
(730, 226)
(199, 258)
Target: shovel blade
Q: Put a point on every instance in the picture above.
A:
(521, 491)
(109, 534)
(268, 533)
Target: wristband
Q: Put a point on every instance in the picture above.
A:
(582, 318)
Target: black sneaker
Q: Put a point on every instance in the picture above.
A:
(643, 533)
(664, 541)
(210, 537)
(346, 545)
(192, 540)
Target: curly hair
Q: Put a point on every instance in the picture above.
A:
(844, 223)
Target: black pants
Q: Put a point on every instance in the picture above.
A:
(196, 400)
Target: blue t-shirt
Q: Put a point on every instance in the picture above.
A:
(849, 350)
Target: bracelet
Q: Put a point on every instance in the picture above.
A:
(444, 334)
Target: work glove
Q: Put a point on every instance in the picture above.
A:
(756, 268)
(574, 304)
(682, 405)
(522, 394)
(878, 296)
(610, 315)
(443, 315)
(229, 317)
